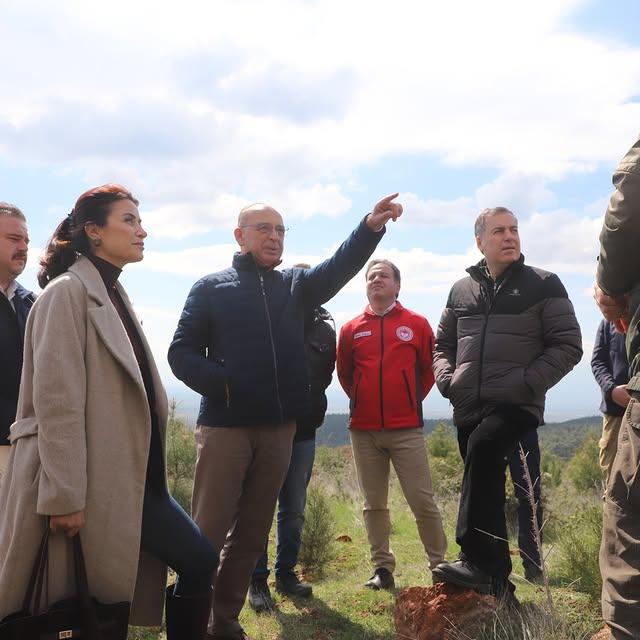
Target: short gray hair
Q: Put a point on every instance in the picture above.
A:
(373, 263)
(7, 209)
(481, 220)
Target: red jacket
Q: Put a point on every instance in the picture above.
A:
(384, 365)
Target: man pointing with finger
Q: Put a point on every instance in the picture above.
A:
(240, 344)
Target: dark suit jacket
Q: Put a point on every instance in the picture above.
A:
(12, 326)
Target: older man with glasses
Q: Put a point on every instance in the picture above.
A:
(240, 344)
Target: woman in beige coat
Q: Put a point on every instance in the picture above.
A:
(87, 447)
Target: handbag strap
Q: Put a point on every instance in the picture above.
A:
(37, 573)
(82, 586)
(33, 594)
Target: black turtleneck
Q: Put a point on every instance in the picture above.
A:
(110, 274)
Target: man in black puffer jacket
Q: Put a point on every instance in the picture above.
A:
(240, 344)
(506, 336)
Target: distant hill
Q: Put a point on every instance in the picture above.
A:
(561, 438)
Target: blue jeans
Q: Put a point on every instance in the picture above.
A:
(169, 534)
(291, 502)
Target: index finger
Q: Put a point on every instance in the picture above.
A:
(388, 199)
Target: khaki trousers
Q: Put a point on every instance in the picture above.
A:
(620, 549)
(239, 472)
(608, 444)
(4, 459)
(405, 448)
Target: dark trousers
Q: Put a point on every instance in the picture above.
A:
(481, 531)
(526, 534)
(172, 536)
(292, 500)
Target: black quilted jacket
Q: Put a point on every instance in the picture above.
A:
(504, 342)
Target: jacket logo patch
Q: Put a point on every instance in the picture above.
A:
(514, 292)
(404, 333)
(361, 334)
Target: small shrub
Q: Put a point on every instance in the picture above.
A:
(445, 462)
(181, 460)
(578, 548)
(583, 469)
(316, 548)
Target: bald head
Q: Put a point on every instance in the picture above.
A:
(247, 213)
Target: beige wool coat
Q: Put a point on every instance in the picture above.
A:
(81, 441)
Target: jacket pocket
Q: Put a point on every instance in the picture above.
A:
(407, 386)
(354, 399)
(624, 483)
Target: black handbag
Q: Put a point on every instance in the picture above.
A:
(80, 617)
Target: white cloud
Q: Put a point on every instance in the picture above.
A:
(185, 219)
(561, 242)
(228, 98)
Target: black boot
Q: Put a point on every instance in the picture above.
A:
(187, 616)
(463, 574)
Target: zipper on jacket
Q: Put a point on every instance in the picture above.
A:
(488, 306)
(408, 387)
(381, 359)
(273, 346)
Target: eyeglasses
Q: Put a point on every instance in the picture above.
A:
(267, 229)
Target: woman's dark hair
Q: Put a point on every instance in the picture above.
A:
(70, 238)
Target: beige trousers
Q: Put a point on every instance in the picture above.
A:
(405, 448)
(620, 550)
(239, 472)
(608, 444)
(4, 459)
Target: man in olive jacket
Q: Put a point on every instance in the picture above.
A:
(618, 296)
(507, 335)
(240, 344)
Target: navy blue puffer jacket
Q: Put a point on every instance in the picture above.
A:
(240, 339)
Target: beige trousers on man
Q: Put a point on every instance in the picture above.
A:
(405, 448)
(4, 459)
(608, 444)
(239, 472)
(620, 549)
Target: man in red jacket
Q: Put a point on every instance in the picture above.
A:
(384, 366)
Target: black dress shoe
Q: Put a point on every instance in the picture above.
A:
(381, 579)
(290, 585)
(463, 573)
(260, 599)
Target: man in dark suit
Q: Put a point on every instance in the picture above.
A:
(15, 303)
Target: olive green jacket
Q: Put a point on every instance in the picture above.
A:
(619, 262)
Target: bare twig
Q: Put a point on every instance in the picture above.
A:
(536, 530)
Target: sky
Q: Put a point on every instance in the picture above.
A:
(320, 108)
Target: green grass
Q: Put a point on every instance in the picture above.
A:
(342, 609)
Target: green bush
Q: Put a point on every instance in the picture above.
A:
(445, 462)
(583, 469)
(316, 548)
(578, 548)
(181, 460)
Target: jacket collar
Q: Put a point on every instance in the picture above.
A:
(91, 279)
(397, 309)
(246, 262)
(22, 292)
(480, 272)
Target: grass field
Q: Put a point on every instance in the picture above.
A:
(342, 609)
